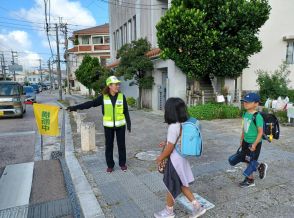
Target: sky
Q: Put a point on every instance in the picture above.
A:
(22, 25)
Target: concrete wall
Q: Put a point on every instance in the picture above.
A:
(176, 81)
(280, 24)
(129, 91)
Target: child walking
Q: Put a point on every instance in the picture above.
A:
(251, 141)
(177, 174)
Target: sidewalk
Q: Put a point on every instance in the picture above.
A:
(36, 188)
(139, 192)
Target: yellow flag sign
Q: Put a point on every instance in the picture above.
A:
(47, 119)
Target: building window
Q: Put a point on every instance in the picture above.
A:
(290, 53)
(163, 11)
(134, 35)
(117, 39)
(126, 33)
(129, 31)
(85, 40)
(103, 61)
(106, 40)
(114, 41)
(97, 40)
(121, 37)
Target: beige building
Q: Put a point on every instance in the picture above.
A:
(133, 19)
(277, 36)
(93, 41)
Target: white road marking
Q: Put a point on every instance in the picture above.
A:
(17, 133)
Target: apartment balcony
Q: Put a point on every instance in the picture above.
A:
(90, 49)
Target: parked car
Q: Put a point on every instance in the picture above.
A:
(44, 86)
(12, 99)
(30, 94)
(40, 88)
(35, 87)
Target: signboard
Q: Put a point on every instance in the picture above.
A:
(15, 67)
(47, 119)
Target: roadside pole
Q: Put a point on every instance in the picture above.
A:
(58, 63)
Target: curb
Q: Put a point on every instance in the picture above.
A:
(88, 202)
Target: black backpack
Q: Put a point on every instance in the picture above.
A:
(271, 127)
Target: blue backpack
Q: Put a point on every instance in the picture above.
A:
(191, 138)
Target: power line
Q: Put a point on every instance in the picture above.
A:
(133, 6)
(23, 25)
(19, 20)
(24, 52)
(20, 27)
(47, 27)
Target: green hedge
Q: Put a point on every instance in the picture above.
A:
(291, 95)
(212, 111)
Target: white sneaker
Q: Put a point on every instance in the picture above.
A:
(164, 214)
(197, 212)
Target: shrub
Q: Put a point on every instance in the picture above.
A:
(291, 95)
(281, 115)
(212, 111)
(131, 101)
(273, 85)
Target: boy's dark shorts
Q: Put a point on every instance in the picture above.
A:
(246, 151)
(241, 156)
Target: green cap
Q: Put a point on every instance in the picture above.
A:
(112, 79)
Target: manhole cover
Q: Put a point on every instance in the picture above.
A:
(148, 155)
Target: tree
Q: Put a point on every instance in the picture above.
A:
(90, 73)
(212, 36)
(273, 85)
(134, 64)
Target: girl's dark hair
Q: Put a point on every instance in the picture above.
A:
(175, 111)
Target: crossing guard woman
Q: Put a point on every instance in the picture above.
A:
(115, 118)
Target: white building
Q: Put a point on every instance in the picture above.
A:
(20, 77)
(130, 23)
(93, 41)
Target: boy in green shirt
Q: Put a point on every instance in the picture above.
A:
(251, 141)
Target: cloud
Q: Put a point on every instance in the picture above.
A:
(30, 60)
(72, 12)
(19, 41)
(15, 39)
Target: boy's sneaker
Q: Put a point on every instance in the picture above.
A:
(262, 168)
(247, 183)
(197, 212)
(165, 213)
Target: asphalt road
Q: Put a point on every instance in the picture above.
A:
(17, 136)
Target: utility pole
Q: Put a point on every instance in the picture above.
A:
(58, 63)
(3, 67)
(13, 55)
(50, 75)
(40, 69)
(66, 57)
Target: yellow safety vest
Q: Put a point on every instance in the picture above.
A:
(114, 117)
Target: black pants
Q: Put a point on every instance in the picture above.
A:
(121, 144)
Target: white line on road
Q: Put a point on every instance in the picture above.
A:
(17, 133)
